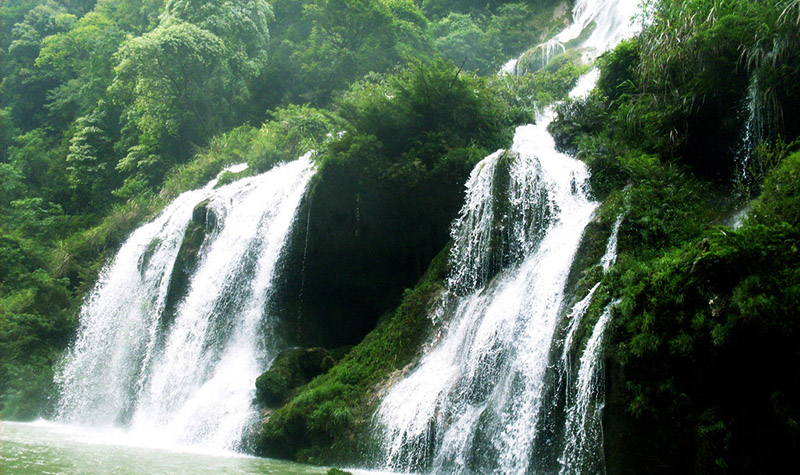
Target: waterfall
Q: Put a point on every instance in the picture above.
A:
(177, 329)
(584, 432)
(475, 401)
(583, 435)
(509, 68)
(472, 231)
(604, 23)
(472, 402)
(759, 124)
(610, 257)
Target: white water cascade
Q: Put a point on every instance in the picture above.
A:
(604, 23)
(597, 25)
(583, 433)
(476, 400)
(472, 402)
(183, 372)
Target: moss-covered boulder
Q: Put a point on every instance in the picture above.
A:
(290, 370)
(203, 220)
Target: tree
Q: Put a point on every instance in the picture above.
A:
(171, 83)
(135, 16)
(91, 173)
(183, 82)
(349, 38)
(7, 133)
(461, 40)
(83, 60)
(242, 26)
(24, 87)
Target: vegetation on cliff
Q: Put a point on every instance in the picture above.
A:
(110, 108)
(693, 115)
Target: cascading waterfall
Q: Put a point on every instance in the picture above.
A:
(181, 368)
(473, 229)
(604, 22)
(583, 434)
(472, 401)
(475, 400)
(597, 25)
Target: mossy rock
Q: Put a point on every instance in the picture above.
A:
(290, 370)
(780, 199)
(203, 220)
(229, 177)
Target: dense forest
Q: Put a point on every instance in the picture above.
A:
(109, 109)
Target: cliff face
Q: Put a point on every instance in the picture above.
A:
(703, 173)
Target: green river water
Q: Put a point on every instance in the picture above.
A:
(47, 448)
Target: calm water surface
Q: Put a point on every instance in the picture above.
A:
(47, 448)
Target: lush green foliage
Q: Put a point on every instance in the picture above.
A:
(702, 332)
(780, 199)
(487, 33)
(705, 335)
(321, 46)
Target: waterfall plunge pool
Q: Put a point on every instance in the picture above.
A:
(46, 447)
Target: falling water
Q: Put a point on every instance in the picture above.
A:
(583, 435)
(474, 401)
(597, 26)
(582, 450)
(751, 135)
(607, 22)
(473, 228)
(759, 124)
(509, 68)
(183, 372)
(575, 316)
(610, 257)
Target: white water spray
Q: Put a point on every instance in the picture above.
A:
(604, 23)
(584, 431)
(186, 375)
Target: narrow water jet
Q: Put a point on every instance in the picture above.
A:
(584, 431)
